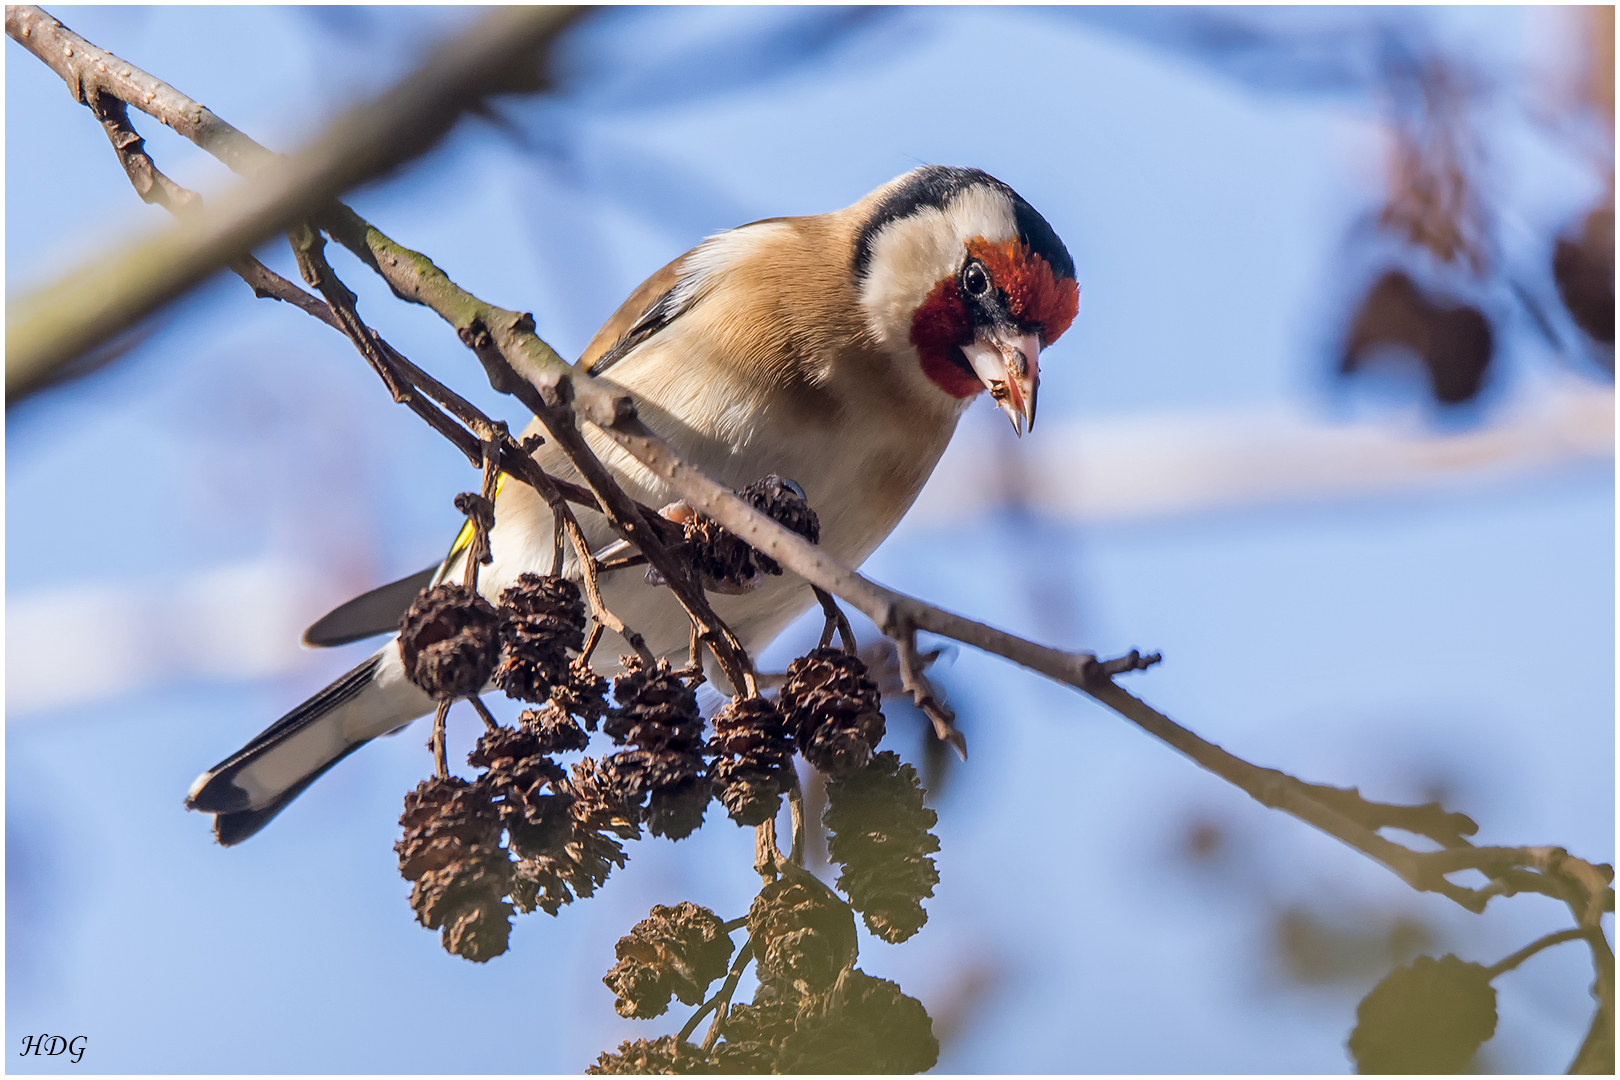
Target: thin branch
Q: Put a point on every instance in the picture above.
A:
(558, 534)
(767, 856)
(723, 995)
(1427, 819)
(309, 251)
(1508, 963)
(441, 763)
(694, 655)
(1120, 665)
(483, 712)
(913, 678)
(480, 508)
(623, 562)
(591, 641)
(795, 794)
(836, 619)
(593, 592)
(722, 1008)
(154, 187)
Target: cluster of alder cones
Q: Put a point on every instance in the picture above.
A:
(814, 1011)
(527, 833)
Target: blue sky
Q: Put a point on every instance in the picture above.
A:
(1455, 637)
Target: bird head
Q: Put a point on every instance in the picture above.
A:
(963, 278)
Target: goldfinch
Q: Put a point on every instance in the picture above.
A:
(837, 350)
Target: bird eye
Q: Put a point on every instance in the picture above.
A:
(975, 280)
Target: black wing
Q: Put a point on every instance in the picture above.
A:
(376, 612)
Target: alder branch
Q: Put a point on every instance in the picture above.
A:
(155, 187)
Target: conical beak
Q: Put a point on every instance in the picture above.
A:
(1006, 362)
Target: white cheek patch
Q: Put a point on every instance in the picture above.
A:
(912, 255)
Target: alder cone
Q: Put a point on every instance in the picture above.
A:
(676, 951)
(553, 729)
(1583, 269)
(861, 1025)
(1454, 342)
(880, 838)
(753, 759)
(443, 821)
(833, 709)
(754, 1037)
(542, 620)
(651, 1057)
(803, 936)
(449, 641)
(481, 931)
(582, 694)
(663, 776)
(567, 847)
(727, 563)
(517, 770)
(1429, 1017)
(461, 876)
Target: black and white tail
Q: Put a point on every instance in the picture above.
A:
(256, 783)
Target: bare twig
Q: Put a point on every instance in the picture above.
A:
(767, 856)
(153, 186)
(484, 713)
(795, 794)
(722, 997)
(441, 763)
(1508, 963)
(593, 592)
(722, 1000)
(591, 641)
(480, 508)
(694, 655)
(1428, 819)
(913, 678)
(1120, 665)
(623, 562)
(836, 619)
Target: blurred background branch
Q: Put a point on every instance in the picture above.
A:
(52, 325)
